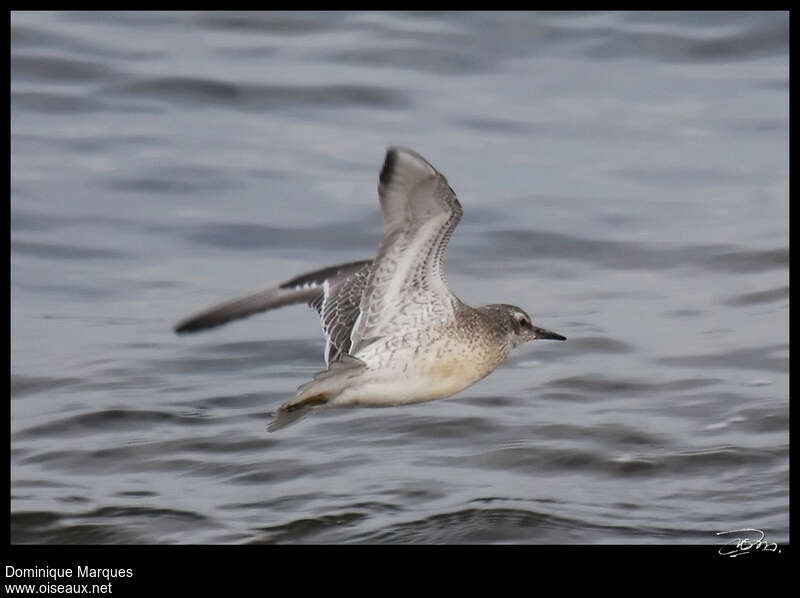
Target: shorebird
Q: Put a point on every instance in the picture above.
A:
(394, 332)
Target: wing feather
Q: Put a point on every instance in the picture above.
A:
(420, 213)
(306, 288)
(338, 310)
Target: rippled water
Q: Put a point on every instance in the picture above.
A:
(624, 178)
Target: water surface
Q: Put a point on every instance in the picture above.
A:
(624, 178)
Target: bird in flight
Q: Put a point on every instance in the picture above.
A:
(394, 332)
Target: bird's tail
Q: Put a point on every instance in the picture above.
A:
(317, 393)
(285, 417)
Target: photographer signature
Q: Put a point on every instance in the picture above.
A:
(747, 541)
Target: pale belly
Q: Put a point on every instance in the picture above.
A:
(412, 382)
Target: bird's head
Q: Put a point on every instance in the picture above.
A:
(517, 325)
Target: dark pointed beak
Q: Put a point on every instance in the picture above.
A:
(546, 334)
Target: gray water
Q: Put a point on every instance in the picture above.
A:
(624, 178)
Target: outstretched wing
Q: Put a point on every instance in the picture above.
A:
(406, 285)
(306, 288)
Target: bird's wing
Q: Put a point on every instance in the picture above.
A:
(306, 288)
(406, 285)
(338, 309)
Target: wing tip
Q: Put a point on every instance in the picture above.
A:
(396, 156)
(188, 326)
(389, 165)
(193, 326)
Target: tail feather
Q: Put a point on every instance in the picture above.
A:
(338, 372)
(285, 417)
(317, 392)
